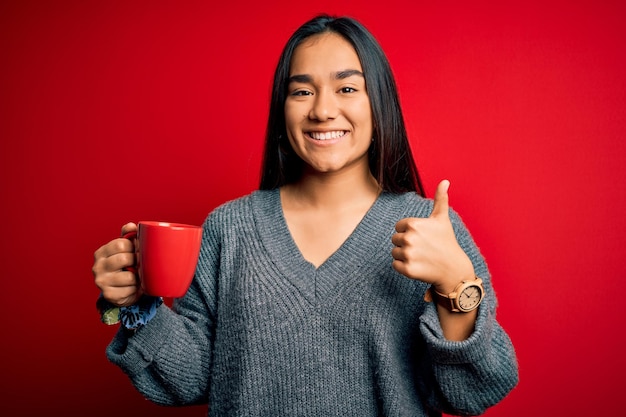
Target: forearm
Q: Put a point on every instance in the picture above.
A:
(472, 374)
(167, 360)
(456, 326)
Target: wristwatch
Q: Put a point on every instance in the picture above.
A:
(465, 297)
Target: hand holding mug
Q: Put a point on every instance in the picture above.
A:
(118, 285)
(156, 258)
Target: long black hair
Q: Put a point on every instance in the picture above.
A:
(390, 159)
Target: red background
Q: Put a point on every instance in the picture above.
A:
(116, 111)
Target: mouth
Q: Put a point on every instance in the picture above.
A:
(334, 134)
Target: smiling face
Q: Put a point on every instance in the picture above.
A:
(327, 111)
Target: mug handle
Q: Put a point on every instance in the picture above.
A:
(130, 236)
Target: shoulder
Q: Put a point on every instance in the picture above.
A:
(240, 209)
(410, 203)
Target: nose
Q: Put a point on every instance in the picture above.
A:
(324, 106)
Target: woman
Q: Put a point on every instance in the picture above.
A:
(312, 295)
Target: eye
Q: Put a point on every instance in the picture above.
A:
(347, 90)
(300, 93)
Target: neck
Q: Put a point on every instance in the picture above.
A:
(334, 190)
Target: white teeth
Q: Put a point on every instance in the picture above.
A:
(327, 135)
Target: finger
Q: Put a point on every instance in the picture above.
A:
(104, 268)
(121, 296)
(117, 285)
(129, 227)
(401, 226)
(119, 279)
(406, 224)
(398, 239)
(119, 262)
(398, 254)
(114, 247)
(405, 229)
(401, 267)
(440, 206)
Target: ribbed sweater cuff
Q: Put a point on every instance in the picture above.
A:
(135, 353)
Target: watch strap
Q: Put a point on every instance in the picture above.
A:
(444, 300)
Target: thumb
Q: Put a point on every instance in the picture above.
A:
(440, 206)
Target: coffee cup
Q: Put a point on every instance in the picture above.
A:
(166, 256)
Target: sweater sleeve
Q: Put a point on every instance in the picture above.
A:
(474, 374)
(168, 359)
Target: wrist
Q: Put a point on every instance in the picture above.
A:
(454, 278)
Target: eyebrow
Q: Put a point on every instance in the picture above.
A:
(339, 75)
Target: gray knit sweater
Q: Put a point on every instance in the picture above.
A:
(262, 332)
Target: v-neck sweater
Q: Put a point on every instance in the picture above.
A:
(263, 332)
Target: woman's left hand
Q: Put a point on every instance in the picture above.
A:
(426, 249)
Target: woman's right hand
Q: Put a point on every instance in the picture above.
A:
(118, 285)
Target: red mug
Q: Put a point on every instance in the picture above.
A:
(166, 256)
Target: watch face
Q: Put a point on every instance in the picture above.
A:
(470, 298)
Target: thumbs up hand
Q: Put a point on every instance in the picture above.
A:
(426, 249)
